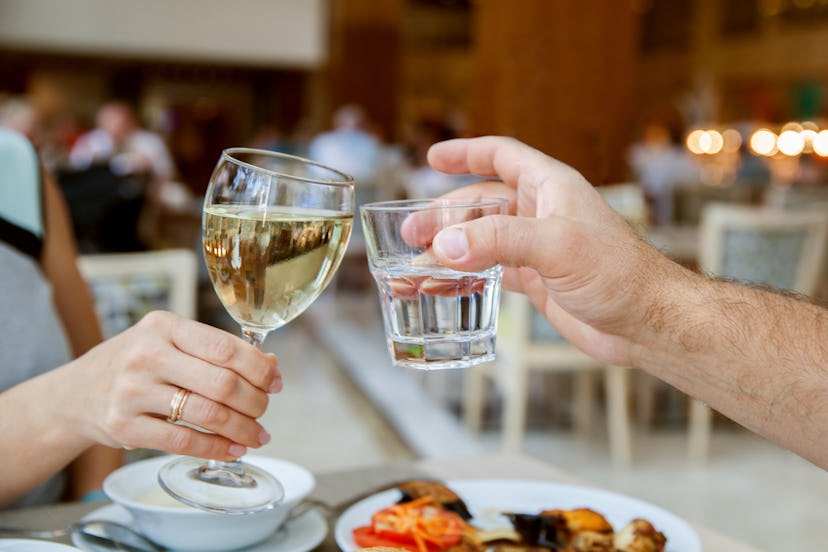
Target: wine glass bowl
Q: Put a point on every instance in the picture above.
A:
(274, 230)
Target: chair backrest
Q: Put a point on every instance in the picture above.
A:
(126, 286)
(627, 198)
(796, 197)
(783, 249)
(526, 336)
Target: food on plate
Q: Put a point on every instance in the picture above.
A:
(382, 549)
(447, 498)
(420, 525)
(639, 536)
(430, 517)
(581, 530)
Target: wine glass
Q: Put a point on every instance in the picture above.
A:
(274, 229)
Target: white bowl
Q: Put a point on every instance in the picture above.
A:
(175, 525)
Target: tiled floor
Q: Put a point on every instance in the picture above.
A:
(344, 406)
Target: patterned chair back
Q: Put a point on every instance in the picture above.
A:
(782, 249)
(126, 286)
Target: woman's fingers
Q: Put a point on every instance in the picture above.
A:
(216, 383)
(228, 382)
(211, 415)
(218, 348)
(149, 432)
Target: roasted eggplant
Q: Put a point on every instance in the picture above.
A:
(412, 490)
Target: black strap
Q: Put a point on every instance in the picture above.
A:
(22, 240)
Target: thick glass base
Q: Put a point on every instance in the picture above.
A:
(441, 354)
(220, 487)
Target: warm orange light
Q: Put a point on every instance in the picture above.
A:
(732, 140)
(791, 142)
(693, 141)
(716, 142)
(763, 142)
(820, 143)
(793, 125)
(808, 136)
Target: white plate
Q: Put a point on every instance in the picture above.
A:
(486, 498)
(28, 545)
(299, 535)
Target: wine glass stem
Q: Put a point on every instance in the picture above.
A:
(232, 473)
(254, 337)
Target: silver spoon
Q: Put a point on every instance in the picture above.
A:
(112, 536)
(101, 534)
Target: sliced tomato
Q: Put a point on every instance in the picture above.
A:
(420, 525)
(366, 538)
(435, 542)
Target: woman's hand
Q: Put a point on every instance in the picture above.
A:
(124, 387)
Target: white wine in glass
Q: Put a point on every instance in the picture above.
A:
(274, 230)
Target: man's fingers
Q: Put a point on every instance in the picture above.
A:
(506, 240)
(512, 161)
(545, 187)
(468, 203)
(485, 189)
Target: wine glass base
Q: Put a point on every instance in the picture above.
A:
(214, 489)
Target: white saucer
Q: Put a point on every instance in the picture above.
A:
(27, 545)
(299, 535)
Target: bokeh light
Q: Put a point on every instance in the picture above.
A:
(820, 143)
(808, 136)
(693, 141)
(791, 142)
(701, 142)
(763, 142)
(732, 140)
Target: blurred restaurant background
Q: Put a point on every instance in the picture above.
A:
(670, 107)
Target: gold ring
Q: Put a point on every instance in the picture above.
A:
(177, 405)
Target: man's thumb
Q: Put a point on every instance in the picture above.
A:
(498, 239)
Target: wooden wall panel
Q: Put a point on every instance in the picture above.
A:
(558, 74)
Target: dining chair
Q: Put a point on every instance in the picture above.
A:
(126, 286)
(527, 342)
(811, 200)
(782, 249)
(627, 199)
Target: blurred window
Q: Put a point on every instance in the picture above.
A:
(739, 17)
(667, 25)
(438, 24)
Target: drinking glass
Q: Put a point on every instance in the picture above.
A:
(274, 229)
(434, 317)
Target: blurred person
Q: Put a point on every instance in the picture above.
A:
(18, 114)
(64, 392)
(120, 141)
(348, 147)
(270, 137)
(758, 357)
(422, 181)
(660, 163)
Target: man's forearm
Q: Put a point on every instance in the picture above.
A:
(758, 357)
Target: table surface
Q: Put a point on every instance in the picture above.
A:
(340, 486)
